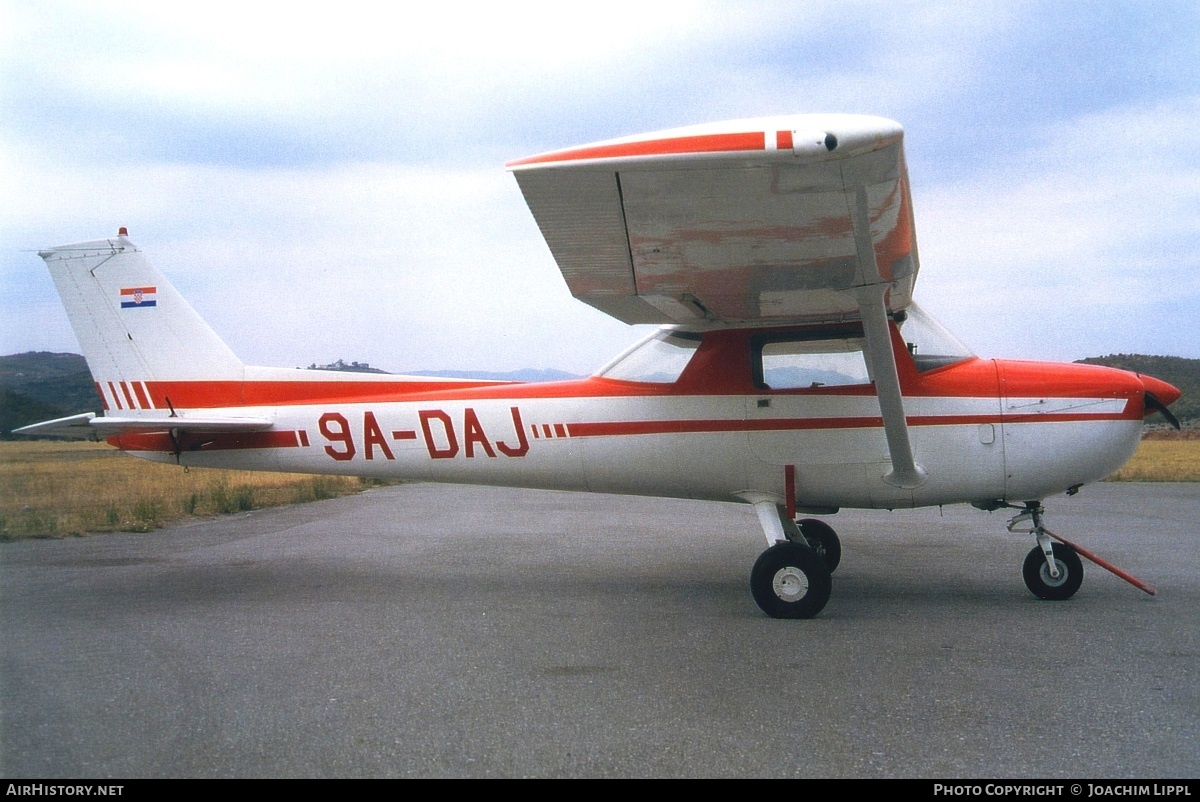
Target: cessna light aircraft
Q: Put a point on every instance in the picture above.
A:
(792, 370)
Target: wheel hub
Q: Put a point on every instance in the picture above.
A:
(790, 584)
(1054, 581)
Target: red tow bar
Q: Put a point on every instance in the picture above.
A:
(1107, 566)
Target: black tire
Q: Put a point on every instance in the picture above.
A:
(790, 581)
(1039, 581)
(823, 540)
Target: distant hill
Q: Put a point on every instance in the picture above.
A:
(40, 385)
(346, 367)
(1176, 370)
(526, 375)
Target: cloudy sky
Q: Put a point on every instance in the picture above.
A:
(325, 180)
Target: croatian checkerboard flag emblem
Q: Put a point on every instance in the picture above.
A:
(137, 297)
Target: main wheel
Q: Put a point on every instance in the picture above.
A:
(1044, 586)
(790, 581)
(823, 540)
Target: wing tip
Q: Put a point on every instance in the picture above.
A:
(820, 135)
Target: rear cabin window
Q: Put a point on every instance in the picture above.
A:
(806, 362)
(661, 359)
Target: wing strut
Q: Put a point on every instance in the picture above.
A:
(872, 305)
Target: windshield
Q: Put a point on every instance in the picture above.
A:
(659, 359)
(930, 344)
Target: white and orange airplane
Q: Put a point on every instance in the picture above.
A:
(792, 370)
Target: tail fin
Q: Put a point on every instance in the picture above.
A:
(133, 326)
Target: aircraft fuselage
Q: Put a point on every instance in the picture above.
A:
(983, 429)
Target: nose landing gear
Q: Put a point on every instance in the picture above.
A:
(1043, 583)
(1053, 571)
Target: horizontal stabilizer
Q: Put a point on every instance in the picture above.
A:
(110, 425)
(70, 426)
(89, 424)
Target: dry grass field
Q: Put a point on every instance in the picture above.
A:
(1164, 459)
(61, 489)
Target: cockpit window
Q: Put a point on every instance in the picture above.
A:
(930, 344)
(660, 359)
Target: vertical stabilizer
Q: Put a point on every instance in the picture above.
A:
(131, 323)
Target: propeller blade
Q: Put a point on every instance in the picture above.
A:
(1154, 405)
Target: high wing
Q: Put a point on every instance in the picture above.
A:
(746, 222)
(802, 218)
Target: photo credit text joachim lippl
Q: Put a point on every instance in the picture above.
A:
(1081, 790)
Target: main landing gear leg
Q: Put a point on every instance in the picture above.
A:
(790, 579)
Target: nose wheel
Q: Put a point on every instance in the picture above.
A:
(1052, 571)
(1042, 583)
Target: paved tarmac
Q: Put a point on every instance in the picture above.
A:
(425, 630)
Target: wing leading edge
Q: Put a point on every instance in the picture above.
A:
(748, 222)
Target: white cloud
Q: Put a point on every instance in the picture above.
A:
(364, 261)
(311, 59)
(1090, 230)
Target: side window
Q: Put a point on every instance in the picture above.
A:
(792, 364)
(658, 360)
